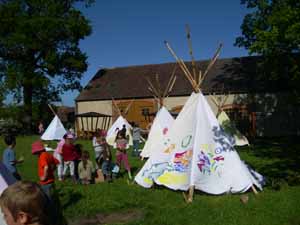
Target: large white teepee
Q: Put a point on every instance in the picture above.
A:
(55, 130)
(117, 125)
(197, 152)
(160, 126)
(240, 139)
(6, 179)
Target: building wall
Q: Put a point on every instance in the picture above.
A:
(258, 114)
(89, 124)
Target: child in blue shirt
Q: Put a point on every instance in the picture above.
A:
(9, 156)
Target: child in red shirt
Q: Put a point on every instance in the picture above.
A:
(46, 167)
(69, 154)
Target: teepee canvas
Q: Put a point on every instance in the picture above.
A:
(198, 154)
(203, 155)
(158, 161)
(117, 125)
(160, 127)
(163, 119)
(55, 130)
(226, 123)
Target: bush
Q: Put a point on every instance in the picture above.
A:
(10, 127)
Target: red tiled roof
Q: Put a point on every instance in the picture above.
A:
(234, 75)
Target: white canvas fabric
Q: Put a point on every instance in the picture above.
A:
(6, 179)
(117, 125)
(160, 126)
(55, 130)
(201, 154)
(162, 152)
(228, 126)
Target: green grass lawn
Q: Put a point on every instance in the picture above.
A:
(279, 203)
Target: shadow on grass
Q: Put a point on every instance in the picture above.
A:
(120, 217)
(284, 156)
(69, 197)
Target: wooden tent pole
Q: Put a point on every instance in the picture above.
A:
(215, 100)
(153, 89)
(52, 110)
(188, 35)
(158, 86)
(170, 82)
(183, 67)
(254, 190)
(116, 107)
(189, 198)
(128, 107)
(212, 62)
(191, 193)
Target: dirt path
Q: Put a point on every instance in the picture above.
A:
(112, 218)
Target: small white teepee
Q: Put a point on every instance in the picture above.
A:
(6, 179)
(55, 130)
(226, 123)
(118, 125)
(160, 126)
(113, 130)
(163, 119)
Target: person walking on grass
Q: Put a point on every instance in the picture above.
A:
(46, 166)
(98, 149)
(107, 164)
(69, 156)
(9, 156)
(136, 137)
(59, 157)
(85, 168)
(121, 154)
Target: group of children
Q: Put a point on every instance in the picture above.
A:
(67, 156)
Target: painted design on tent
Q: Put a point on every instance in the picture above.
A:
(169, 178)
(154, 171)
(170, 149)
(182, 161)
(167, 141)
(209, 163)
(186, 141)
(226, 142)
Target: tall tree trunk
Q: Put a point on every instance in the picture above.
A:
(27, 97)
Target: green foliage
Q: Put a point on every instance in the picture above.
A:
(277, 204)
(39, 49)
(272, 29)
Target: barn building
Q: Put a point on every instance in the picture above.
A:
(258, 107)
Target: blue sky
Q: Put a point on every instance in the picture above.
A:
(132, 32)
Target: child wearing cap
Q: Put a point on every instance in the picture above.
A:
(46, 167)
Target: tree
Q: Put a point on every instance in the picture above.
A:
(39, 49)
(272, 30)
